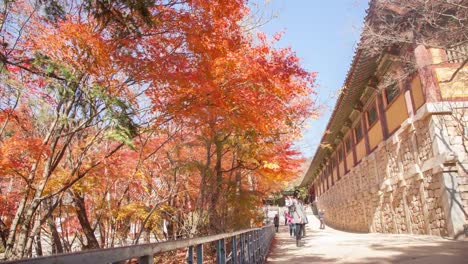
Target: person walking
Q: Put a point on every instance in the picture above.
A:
(321, 216)
(292, 226)
(276, 222)
(297, 211)
(288, 201)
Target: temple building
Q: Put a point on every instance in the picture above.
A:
(394, 156)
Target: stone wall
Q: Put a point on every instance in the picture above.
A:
(436, 217)
(456, 140)
(463, 187)
(398, 188)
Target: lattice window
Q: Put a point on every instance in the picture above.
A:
(457, 54)
(358, 132)
(372, 115)
(391, 92)
(348, 144)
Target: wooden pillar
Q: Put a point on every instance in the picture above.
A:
(428, 80)
(382, 117)
(366, 135)
(331, 172)
(327, 178)
(345, 167)
(338, 164)
(409, 99)
(322, 183)
(353, 146)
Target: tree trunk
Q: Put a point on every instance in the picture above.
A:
(34, 232)
(38, 244)
(102, 234)
(25, 213)
(214, 214)
(14, 225)
(80, 210)
(19, 248)
(56, 242)
(3, 233)
(204, 171)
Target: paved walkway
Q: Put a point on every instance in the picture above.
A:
(333, 246)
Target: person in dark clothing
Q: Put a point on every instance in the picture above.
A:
(276, 222)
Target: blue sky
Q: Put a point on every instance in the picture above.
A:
(324, 35)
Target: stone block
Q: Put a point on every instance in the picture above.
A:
(463, 180)
(464, 195)
(463, 188)
(465, 203)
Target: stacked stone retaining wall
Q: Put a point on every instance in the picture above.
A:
(399, 187)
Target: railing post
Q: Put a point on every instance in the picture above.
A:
(220, 251)
(190, 255)
(234, 250)
(265, 243)
(146, 260)
(242, 249)
(249, 247)
(256, 246)
(262, 245)
(200, 254)
(259, 246)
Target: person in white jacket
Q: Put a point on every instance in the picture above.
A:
(296, 209)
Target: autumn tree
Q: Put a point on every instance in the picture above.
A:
(117, 116)
(226, 102)
(72, 87)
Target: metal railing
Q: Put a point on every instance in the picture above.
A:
(245, 246)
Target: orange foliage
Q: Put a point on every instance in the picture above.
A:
(113, 124)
